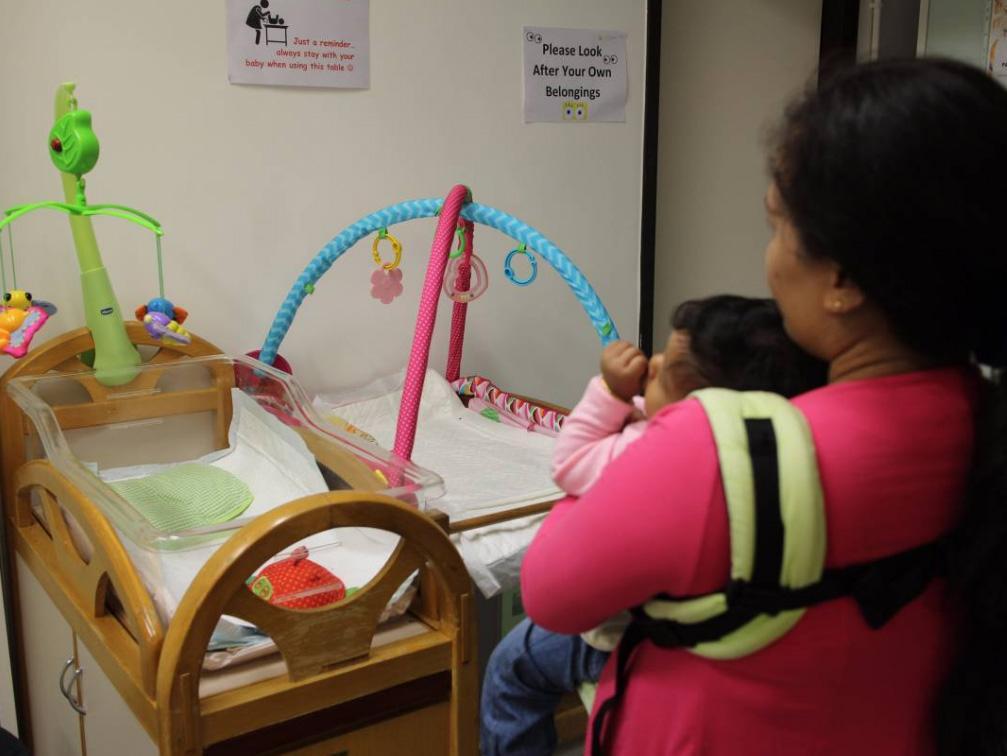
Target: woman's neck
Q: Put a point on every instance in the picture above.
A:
(875, 358)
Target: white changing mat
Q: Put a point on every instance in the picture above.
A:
(493, 554)
(274, 462)
(486, 466)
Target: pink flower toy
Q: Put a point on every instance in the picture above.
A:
(386, 281)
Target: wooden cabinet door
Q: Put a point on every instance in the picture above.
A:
(109, 725)
(8, 714)
(48, 646)
(423, 732)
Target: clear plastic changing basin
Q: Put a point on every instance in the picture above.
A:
(230, 436)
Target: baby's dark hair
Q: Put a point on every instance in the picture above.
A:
(739, 343)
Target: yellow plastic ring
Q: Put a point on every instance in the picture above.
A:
(396, 250)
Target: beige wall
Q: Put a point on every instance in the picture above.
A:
(727, 69)
(250, 182)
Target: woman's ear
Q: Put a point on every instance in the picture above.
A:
(842, 295)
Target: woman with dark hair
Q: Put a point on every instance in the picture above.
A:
(885, 205)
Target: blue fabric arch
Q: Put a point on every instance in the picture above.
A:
(428, 208)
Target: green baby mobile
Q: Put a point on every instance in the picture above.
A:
(74, 149)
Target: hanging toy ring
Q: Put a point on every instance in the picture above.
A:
(478, 282)
(460, 249)
(509, 268)
(396, 250)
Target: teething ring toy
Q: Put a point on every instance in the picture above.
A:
(509, 269)
(460, 249)
(478, 282)
(396, 250)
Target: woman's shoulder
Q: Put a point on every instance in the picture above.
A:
(925, 393)
(944, 399)
(894, 455)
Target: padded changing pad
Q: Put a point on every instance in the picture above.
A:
(486, 466)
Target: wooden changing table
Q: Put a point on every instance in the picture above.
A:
(89, 633)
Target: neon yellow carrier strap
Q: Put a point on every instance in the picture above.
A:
(801, 508)
(778, 539)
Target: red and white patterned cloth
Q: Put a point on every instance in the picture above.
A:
(536, 417)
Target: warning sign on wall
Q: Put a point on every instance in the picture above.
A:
(299, 43)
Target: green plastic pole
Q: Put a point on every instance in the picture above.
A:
(116, 360)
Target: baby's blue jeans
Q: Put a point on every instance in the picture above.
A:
(525, 677)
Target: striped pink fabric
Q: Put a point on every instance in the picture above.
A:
(405, 432)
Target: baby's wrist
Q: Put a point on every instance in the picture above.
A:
(613, 392)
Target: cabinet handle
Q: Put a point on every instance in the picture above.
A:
(62, 677)
(76, 705)
(64, 686)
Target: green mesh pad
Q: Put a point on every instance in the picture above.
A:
(188, 496)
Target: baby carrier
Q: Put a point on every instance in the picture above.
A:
(777, 532)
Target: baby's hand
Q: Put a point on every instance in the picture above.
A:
(623, 368)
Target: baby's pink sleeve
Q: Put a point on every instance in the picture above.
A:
(656, 521)
(593, 435)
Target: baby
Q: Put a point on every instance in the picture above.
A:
(724, 341)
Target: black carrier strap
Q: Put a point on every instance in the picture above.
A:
(630, 640)
(768, 520)
(880, 588)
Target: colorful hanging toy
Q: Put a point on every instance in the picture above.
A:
(21, 316)
(20, 319)
(163, 321)
(386, 281)
(454, 279)
(521, 249)
(466, 277)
